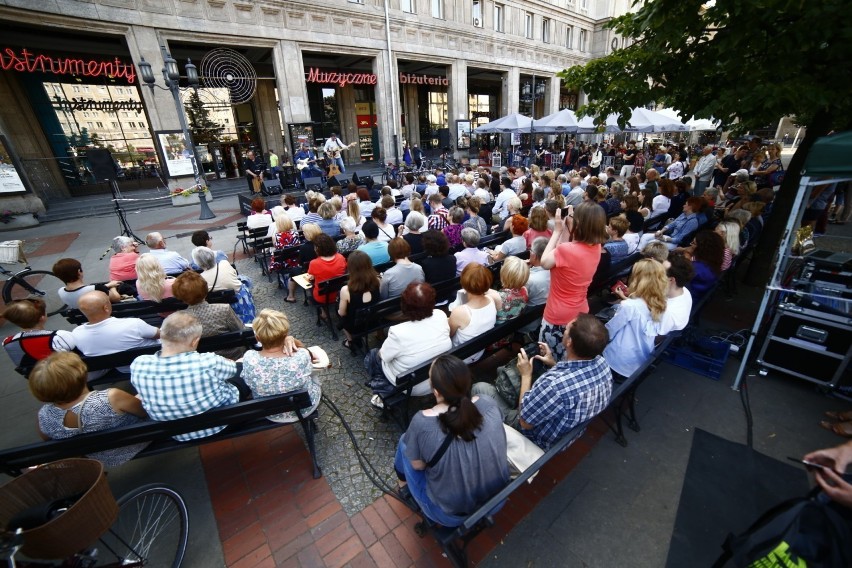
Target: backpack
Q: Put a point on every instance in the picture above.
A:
(806, 532)
(34, 349)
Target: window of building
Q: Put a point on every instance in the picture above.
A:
(477, 13)
(76, 88)
(584, 4)
(438, 9)
(407, 6)
(499, 10)
(356, 1)
(438, 110)
(114, 124)
(528, 25)
(545, 30)
(582, 43)
(569, 37)
(100, 124)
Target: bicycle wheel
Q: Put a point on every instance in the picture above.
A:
(151, 528)
(41, 283)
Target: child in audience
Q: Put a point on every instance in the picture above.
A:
(616, 245)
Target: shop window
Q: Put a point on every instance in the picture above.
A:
(499, 10)
(407, 6)
(477, 13)
(528, 25)
(438, 9)
(545, 30)
(569, 37)
(438, 110)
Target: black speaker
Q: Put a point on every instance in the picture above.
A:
(443, 138)
(340, 179)
(313, 183)
(363, 178)
(101, 164)
(271, 187)
(287, 176)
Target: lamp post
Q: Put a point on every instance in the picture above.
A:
(532, 93)
(171, 79)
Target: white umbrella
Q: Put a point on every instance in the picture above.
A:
(586, 125)
(507, 124)
(702, 124)
(644, 120)
(563, 121)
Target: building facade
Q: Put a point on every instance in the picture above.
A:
(275, 74)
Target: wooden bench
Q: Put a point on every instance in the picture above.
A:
(149, 310)
(110, 363)
(241, 418)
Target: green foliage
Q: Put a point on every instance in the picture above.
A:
(202, 128)
(746, 63)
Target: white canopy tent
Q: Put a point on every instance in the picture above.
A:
(557, 123)
(505, 125)
(641, 120)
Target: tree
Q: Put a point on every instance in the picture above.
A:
(746, 64)
(202, 128)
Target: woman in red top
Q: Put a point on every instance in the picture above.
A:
(328, 264)
(572, 265)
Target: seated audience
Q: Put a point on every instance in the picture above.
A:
(203, 239)
(538, 283)
(399, 276)
(474, 220)
(730, 231)
(223, 276)
(663, 200)
(517, 244)
(616, 245)
(70, 271)
(259, 216)
(630, 205)
(172, 262)
(104, 334)
(122, 264)
(351, 239)
(286, 236)
(411, 231)
(327, 222)
(361, 290)
(454, 228)
(288, 207)
(409, 344)
(657, 251)
(470, 253)
(152, 283)
(538, 226)
(466, 435)
(215, 319)
(477, 312)
(439, 265)
(437, 219)
(278, 368)
(394, 215)
(72, 409)
(33, 343)
(678, 298)
(178, 381)
(512, 297)
(673, 233)
(707, 259)
(376, 249)
(636, 324)
(327, 265)
(386, 231)
(573, 391)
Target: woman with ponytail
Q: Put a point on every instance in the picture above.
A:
(452, 458)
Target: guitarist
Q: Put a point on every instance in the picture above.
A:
(306, 161)
(253, 168)
(332, 149)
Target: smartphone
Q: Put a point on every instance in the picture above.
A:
(531, 349)
(808, 464)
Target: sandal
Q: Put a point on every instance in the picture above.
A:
(289, 301)
(840, 428)
(376, 401)
(840, 416)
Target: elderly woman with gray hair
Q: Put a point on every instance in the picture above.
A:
(122, 265)
(223, 276)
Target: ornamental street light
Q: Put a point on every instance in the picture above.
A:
(531, 93)
(171, 79)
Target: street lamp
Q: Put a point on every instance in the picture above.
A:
(531, 93)
(171, 79)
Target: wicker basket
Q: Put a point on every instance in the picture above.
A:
(76, 528)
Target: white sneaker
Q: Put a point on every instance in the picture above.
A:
(376, 401)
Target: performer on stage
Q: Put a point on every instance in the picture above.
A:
(253, 167)
(332, 149)
(306, 161)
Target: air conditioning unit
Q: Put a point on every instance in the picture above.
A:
(477, 22)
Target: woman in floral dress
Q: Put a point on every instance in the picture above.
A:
(272, 370)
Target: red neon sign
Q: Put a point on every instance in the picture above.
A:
(29, 62)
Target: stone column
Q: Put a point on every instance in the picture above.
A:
(551, 95)
(457, 99)
(266, 116)
(292, 90)
(412, 116)
(386, 88)
(510, 96)
(348, 124)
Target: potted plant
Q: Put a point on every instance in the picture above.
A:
(189, 196)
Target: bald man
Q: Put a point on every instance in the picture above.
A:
(104, 334)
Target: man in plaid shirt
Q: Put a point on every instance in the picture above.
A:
(573, 391)
(178, 381)
(438, 219)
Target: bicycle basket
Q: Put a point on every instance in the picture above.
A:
(76, 528)
(12, 252)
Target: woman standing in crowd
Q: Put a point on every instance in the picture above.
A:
(636, 323)
(453, 455)
(572, 265)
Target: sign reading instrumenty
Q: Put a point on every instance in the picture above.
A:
(29, 62)
(342, 79)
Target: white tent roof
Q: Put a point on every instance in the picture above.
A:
(507, 124)
(641, 120)
(563, 121)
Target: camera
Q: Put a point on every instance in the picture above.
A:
(531, 349)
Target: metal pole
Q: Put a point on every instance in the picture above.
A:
(392, 81)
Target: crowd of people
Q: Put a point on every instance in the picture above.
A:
(563, 225)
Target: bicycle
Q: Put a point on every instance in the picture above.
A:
(29, 282)
(146, 527)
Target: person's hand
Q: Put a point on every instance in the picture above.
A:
(545, 354)
(524, 364)
(834, 486)
(399, 230)
(290, 346)
(839, 458)
(658, 234)
(113, 284)
(558, 225)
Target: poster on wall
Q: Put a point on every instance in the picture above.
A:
(177, 153)
(10, 177)
(462, 134)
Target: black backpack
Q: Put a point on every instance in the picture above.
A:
(810, 532)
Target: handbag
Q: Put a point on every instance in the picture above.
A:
(508, 383)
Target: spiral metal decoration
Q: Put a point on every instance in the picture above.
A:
(229, 69)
